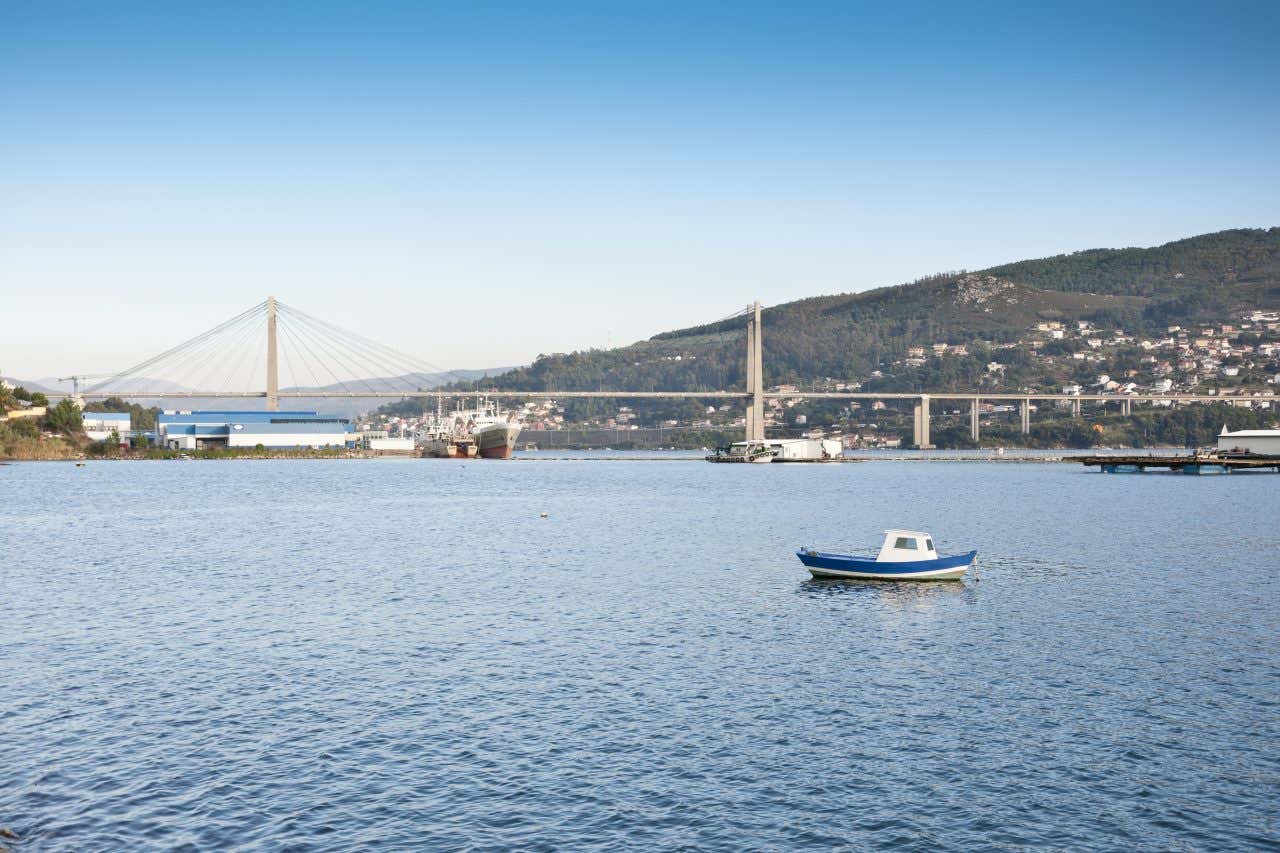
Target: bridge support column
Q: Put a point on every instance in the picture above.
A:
(974, 414)
(1075, 409)
(1026, 416)
(757, 398)
(749, 432)
(1126, 407)
(755, 378)
(920, 431)
(273, 369)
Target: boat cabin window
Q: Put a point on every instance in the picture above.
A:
(928, 544)
(905, 543)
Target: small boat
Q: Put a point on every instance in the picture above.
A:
(905, 555)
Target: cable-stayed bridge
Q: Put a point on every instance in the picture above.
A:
(252, 353)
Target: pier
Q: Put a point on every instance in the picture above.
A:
(1189, 464)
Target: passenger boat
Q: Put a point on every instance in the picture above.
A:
(905, 555)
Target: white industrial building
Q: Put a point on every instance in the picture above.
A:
(1261, 442)
(99, 425)
(391, 445)
(191, 430)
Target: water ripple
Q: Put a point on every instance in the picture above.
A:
(404, 654)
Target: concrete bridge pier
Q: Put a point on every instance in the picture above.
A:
(755, 377)
(1075, 409)
(973, 419)
(920, 433)
(1026, 416)
(1126, 407)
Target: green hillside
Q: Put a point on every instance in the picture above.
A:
(1206, 278)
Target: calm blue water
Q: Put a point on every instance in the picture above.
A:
(340, 655)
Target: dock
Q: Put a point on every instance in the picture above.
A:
(1191, 464)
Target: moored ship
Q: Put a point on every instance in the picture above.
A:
(484, 431)
(445, 445)
(496, 440)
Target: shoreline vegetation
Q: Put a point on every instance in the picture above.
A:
(56, 433)
(977, 454)
(32, 439)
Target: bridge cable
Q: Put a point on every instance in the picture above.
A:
(415, 362)
(235, 369)
(148, 363)
(379, 361)
(192, 359)
(309, 359)
(337, 355)
(294, 384)
(175, 366)
(363, 356)
(316, 383)
(322, 363)
(234, 345)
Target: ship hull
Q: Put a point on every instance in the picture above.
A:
(822, 565)
(497, 441)
(449, 449)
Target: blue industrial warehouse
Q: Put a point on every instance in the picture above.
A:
(183, 430)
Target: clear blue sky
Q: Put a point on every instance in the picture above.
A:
(478, 183)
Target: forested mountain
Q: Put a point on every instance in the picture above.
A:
(1206, 278)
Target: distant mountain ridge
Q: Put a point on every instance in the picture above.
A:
(1203, 278)
(345, 407)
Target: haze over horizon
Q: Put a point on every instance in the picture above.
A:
(478, 185)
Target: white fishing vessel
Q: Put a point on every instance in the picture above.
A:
(483, 431)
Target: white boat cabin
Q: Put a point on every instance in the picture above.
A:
(792, 449)
(906, 546)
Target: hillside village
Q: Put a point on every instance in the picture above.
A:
(1195, 316)
(1238, 361)
(1199, 315)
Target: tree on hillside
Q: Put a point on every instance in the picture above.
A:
(141, 417)
(35, 398)
(64, 418)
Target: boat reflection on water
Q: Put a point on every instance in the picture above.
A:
(895, 594)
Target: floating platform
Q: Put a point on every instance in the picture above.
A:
(1195, 464)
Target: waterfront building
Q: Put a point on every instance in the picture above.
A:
(1263, 442)
(403, 446)
(29, 411)
(190, 430)
(99, 425)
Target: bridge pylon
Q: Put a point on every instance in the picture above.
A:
(755, 377)
(273, 364)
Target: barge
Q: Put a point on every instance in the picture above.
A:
(1195, 463)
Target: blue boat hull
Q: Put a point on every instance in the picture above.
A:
(823, 565)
